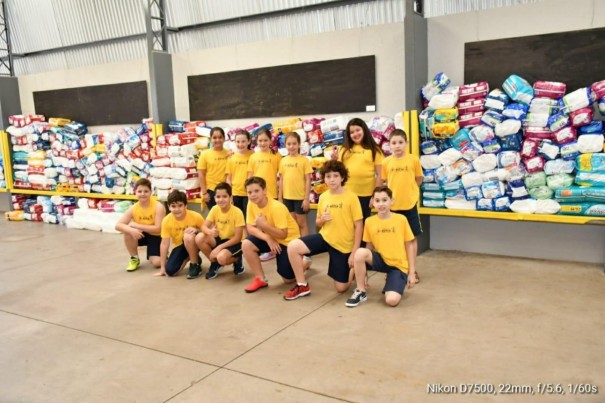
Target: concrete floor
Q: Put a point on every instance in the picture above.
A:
(75, 327)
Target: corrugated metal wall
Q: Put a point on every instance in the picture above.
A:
(43, 25)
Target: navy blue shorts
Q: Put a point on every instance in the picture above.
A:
(294, 206)
(366, 211)
(235, 250)
(338, 268)
(413, 219)
(152, 242)
(176, 259)
(241, 202)
(396, 279)
(284, 268)
(211, 203)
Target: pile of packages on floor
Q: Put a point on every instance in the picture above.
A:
(82, 213)
(527, 149)
(2, 179)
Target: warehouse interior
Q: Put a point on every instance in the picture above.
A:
(515, 307)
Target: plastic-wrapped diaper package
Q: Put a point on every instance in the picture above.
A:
(547, 206)
(541, 192)
(507, 127)
(430, 161)
(581, 117)
(470, 119)
(558, 121)
(493, 189)
(590, 143)
(491, 146)
(435, 86)
(492, 118)
(460, 204)
(429, 147)
(577, 99)
(485, 162)
(482, 133)
(559, 166)
(460, 139)
(549, 89)
(515, 111)
(445, 174)
(525, 206)
(449, 156)
(594, 178)
(559, 181)
(570, 151)
(535, 180)
(548, 150)
(462, 167)
(444, 100)
(516, 190)
(471, 106)
(497, 100)
(594, 127)
(473, 91)
(518, 89)
(565, 135)
(591, 162)
(592, 209)
(508, 158)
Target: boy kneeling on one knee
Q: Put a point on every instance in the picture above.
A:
(385, 234)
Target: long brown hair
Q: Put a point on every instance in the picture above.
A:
(367, 141)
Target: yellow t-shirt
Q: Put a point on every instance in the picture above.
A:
(294, 170)
(237, 166)
(215, 164)
(266, 165)
(400, 174)
(226, 223)
(362, 170)
(345, 210)
(174, 229)
(388, 238)
(145, 216)
(277, 216)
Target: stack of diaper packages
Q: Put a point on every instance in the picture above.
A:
(517, 152)
(97, 215)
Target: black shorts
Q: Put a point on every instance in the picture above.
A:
(295, 206)
(152, 242)
(235, 250)
(366, 211)
(211, 203)
(413, 219)
(396, 279)
(176, 259)
(338, 268)
(284, 268)
(241, 202)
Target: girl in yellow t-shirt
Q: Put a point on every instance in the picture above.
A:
(212, 166)
(140, 225)
(363, 159)
(237, 169)
(295, 182)
(265, 162)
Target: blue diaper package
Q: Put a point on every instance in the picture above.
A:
(518, 89)
(594, 127)
(515, 111)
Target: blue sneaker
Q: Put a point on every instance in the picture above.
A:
(238, 266)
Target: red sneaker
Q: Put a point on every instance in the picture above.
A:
(297, 291)
(256, 285)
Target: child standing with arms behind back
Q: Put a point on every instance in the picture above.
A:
(295, 182)
(363, 159)
(212, 166)
(140, 225)
(403, 174)
(237, 169)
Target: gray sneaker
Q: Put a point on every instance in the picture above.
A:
(357, 298)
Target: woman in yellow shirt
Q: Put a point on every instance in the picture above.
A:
(363, 159)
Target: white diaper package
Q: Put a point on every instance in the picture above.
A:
(485, 162)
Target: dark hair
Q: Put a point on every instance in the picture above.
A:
(176, 196)
(242, 132)
(256, 180)
(367, 141)
(383, 188)
(398, 132)
(335, 166)
(217, 129)
(266, 132)
(142, 182)
(223, 186)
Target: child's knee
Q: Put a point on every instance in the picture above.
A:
(297, 247)
(392, 298)
(362, 255)
(248, 247)
(155, 261)
(199, 239)
(341, 287)
(224, 258)
(189, 239)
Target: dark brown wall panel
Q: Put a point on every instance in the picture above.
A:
(334, 86)
(112, 104)
(576, 58)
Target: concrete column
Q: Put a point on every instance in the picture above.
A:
(161, 86)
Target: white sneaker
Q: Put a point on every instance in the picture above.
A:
(264, 257)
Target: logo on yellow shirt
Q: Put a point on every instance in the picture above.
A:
(400, 169)
(334, 205)
(291, 165)
(222, 221)
(385, 230)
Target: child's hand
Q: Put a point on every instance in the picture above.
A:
(206, 197)
(274, 245)
(214, 254)
(191, 231)
(136, 234)
(261, 221)
(334, 155)
(325, 217)
(411, 278)
(213, 230)
(161, 273)
(305, 205)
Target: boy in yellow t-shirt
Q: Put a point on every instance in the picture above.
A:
(180, 227)
(212, 166)
(340, 224)
(221, 237)
(140, 225)
(270, 228)
(403, 174)
(388, 238)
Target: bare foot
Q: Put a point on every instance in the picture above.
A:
(160, 274)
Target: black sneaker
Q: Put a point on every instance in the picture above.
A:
(357, 298)
(238, 266)
(195, 270)
(213, 271)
